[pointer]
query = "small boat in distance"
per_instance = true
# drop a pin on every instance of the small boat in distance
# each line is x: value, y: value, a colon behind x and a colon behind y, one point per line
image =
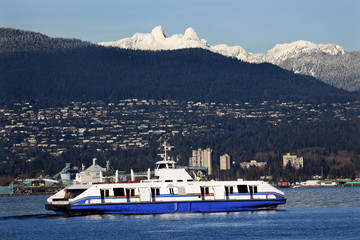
x: 172, y: 190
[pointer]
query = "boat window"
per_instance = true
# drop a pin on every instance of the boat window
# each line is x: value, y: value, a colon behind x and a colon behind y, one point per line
x: 104, y: 193
x: 155, y: 191
x: 72, y: 193
x: 171, y: 190
x: 119, y: 192
x: 242, y: 189
x: 168, y: 180
x: 253, y: 189
x: 229, y: 189
x: 130, y: 192
x: 204, y: 190
x: 162, y: 165
x: 180, y: 180
x: 190, y: 180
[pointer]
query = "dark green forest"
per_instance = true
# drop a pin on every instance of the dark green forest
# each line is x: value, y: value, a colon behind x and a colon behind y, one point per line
x: 92, y: 73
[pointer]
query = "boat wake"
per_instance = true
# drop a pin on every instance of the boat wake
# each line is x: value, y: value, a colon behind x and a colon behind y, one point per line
x: 31, y: 216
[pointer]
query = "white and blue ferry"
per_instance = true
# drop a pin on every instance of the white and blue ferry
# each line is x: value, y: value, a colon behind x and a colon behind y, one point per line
x: 172, y: 190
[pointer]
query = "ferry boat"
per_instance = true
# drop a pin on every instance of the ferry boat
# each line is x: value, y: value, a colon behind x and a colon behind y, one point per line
x: 172, y: 190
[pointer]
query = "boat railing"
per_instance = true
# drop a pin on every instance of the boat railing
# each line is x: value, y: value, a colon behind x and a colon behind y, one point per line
x: 150, y: 181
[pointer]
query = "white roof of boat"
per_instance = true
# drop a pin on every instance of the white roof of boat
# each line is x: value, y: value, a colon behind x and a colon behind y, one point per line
x: 165, y: 161
x: 79, y: 186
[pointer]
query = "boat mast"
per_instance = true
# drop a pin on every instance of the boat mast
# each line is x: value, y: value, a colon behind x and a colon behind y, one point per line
x: 167, y: 147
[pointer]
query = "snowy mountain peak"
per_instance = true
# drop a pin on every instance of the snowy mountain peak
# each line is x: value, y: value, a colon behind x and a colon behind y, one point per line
x: 301, y: 56
x: 285, y: 51
x: 326, y: 62
x: 158, y: 40
x: 159, y: 33
x: 191, y: 34
x: 307, y: 46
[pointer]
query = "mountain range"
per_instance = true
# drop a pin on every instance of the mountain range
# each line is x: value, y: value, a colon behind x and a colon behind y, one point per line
x: 326, y: 62
x: 53, y: 71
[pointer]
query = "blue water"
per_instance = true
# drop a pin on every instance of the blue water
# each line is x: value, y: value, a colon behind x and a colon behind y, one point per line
x: 312, y: 213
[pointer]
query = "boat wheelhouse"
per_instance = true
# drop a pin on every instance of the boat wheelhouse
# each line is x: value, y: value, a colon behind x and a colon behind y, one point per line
x: 172, y: 190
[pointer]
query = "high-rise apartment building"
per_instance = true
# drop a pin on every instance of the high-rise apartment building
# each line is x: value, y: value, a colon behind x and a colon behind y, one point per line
x: 201, y: 158
x: 225, y: 162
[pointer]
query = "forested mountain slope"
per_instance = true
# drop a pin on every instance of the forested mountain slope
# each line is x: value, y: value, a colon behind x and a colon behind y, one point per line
x: 59, y: 70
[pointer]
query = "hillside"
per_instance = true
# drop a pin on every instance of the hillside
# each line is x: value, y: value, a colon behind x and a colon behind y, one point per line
x: 85, y: 72
x: 326, y: 62
x: 342, y: 71
x: 15, y: 40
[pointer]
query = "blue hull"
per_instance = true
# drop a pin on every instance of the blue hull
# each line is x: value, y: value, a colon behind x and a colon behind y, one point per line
x: 169, y: 207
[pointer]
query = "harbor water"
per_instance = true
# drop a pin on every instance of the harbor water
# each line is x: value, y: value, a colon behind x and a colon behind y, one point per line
x: 310, y: 213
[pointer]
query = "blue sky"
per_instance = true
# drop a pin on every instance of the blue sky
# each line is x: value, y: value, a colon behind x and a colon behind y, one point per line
x: 256, y: 25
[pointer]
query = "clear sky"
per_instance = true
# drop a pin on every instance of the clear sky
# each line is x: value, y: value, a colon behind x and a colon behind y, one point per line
x: 256, y: 25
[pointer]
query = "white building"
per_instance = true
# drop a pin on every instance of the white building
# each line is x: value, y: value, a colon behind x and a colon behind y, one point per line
x: 295, y: 161
x: 252, y: 163
x: 225, y: 162
x: 201, y: 158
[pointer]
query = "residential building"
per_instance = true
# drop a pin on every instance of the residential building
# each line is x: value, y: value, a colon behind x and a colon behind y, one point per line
x: 225, y: 162
x: 252, y: 163
x: 201, y: 158
x: 295, y: 161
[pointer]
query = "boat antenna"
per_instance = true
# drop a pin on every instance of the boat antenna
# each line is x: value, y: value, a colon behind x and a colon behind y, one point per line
x: 167, y: 148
